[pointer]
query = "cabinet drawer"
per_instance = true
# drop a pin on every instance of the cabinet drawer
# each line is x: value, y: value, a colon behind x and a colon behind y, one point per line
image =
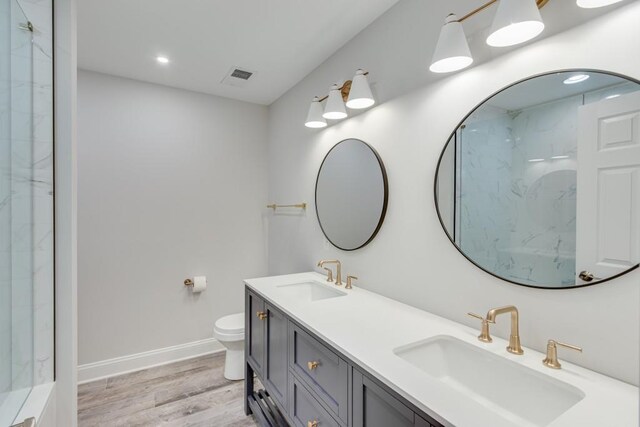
x: 320, y: 369
x: 304, y: 409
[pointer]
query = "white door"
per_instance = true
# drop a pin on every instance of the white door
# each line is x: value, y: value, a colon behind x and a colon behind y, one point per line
x: 608, y: 187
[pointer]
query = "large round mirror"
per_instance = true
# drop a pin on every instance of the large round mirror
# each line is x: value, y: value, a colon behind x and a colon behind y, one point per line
x: 540, y: 184
x: 351, y: 194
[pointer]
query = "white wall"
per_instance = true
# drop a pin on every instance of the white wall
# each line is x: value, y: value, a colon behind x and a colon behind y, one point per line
x: 411, y: 259
x: 171, y: 184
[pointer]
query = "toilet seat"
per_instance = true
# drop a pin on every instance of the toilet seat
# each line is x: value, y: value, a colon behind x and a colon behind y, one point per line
x: 230, y: 328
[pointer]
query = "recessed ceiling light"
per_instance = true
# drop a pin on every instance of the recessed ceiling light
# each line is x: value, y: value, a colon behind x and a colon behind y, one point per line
x: 162, y: 59
x: 615, y: 95
x: 577, y: 78
x: 536, y: 160
x: 559, y: 157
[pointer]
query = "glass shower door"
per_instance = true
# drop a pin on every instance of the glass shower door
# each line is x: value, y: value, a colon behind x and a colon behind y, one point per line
x: 16, y: 210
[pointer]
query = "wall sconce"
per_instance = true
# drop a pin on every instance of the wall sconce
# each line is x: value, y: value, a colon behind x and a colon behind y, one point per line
x: 356, y: 93
x: 515, y: 22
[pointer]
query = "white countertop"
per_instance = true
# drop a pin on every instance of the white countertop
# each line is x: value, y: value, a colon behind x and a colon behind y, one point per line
x: 366, y: 327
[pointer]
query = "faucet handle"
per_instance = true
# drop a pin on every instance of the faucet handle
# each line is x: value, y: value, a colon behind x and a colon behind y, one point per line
x: 329, y: 274
x: 572, y: 347
x: 349, y: 279
x: 551, y: 360
x: 484, y: 332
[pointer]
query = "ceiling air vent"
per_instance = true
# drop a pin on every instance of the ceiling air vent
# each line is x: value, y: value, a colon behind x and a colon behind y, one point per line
x: 237, y: 77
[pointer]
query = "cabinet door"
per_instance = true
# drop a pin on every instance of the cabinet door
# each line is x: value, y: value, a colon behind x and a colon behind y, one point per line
x: 256, y: 328
x: 276, y: 368
x: 421, y: 422
x: 374, y: 407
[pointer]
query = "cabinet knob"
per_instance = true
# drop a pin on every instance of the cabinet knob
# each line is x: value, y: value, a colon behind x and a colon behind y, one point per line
x: 313, y: 423
x: 313, y: 365
x: 261, y: 315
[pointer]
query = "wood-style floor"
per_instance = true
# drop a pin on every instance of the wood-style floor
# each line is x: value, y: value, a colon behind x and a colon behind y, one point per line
x: 193, y: 392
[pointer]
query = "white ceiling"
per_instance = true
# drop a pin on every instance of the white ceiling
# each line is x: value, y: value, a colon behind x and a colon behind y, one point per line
x: 281, y: 41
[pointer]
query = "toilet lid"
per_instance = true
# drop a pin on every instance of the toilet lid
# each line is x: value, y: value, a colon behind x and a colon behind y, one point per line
x: 231, y: 324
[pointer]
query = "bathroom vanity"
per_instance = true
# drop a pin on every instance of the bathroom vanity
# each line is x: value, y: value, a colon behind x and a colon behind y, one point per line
x: 327, y: 356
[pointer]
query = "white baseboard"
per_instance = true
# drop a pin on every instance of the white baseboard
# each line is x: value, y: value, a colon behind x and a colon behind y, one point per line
x: 135, y: 362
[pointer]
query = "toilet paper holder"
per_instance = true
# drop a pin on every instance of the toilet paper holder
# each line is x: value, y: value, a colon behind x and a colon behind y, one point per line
x: 196, y: 284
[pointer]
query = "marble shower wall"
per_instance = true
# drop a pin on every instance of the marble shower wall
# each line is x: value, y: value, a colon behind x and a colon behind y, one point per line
x: 40, y: 13
x: 517, y: 216
x: 5, y: 192
x: 484, y: 156
x: 516, y: 210
x: 26, y: 195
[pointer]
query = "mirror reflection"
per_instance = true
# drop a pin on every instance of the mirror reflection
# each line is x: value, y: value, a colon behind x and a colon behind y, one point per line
x: 540, y: 184
x: 351, y: 194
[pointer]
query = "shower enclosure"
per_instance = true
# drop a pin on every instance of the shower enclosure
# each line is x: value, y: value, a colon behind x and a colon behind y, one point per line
x: 26, y: 203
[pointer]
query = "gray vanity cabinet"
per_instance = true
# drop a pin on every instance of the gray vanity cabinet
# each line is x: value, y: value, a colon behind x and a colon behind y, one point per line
x: 310, y: 383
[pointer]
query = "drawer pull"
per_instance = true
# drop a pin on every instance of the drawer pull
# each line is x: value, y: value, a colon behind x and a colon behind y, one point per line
x: 261, y: 315
x: 313, y: 365
x: 313, y: 423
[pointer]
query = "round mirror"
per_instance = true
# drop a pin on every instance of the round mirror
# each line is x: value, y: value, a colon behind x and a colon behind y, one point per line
x: 540, y: 184
x: 351, y: 194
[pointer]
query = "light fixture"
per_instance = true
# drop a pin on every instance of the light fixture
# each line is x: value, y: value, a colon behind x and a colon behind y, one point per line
x: 591, y: 4
x: 559, y: 157
x: 356, y: 93
x: 314, y: 118
x: 576, y: 78
x: 162, y: 59
x: 452, y: 51
x: 615, y: 95
x: 360, y: 93
x: 536, y: 160
x: 334, y: 109
x: 516, y: 21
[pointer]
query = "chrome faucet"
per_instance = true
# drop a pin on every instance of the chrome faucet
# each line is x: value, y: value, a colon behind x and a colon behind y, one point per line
x: 514, y: 338
x: 338, y: 268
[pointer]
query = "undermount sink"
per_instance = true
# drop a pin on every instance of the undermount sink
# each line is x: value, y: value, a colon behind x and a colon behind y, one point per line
x: 309, y: 291
x: 515, y: 392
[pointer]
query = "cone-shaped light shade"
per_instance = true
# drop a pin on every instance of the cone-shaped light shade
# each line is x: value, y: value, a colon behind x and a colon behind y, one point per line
x: 360, y: 95
x: 335, y: 105
x: 516, y: 21
x: 452, y: 51
x: 590, y: 4
x: 314, y: 118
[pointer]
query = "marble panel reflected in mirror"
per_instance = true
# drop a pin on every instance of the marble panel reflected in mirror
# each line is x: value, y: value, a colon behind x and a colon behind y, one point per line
x: 540, y: 184
x: 351, y: 194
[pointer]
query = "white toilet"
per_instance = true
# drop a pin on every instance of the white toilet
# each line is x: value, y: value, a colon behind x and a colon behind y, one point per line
x: 229, y: 330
